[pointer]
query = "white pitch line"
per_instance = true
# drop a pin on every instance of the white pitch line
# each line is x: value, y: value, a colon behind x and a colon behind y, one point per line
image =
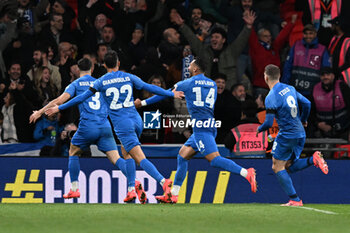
x: 317, y: 210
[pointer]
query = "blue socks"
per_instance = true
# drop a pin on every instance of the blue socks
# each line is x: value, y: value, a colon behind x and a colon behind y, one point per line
x: 121, y: 165
x: 74, y: 168
x: 301, y: 164
x: 130, y: 172
x: 287, y: 185
x: 226, y: 164
x: 182, y: 165
x: 151, y: 170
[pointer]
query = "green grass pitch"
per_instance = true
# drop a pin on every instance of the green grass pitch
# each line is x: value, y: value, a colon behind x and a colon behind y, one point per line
x: 181, y: 218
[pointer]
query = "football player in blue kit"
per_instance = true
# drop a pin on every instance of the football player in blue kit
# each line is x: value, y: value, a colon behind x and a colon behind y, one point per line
x: 200, y: 94
x: 94, y: 128
x: 116, y: 88
x: 282, y: 103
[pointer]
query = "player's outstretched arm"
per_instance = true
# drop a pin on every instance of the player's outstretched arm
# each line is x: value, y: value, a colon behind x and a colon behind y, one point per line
x: 76, y: 100
x: 160, y: 91
x: 58, y: 101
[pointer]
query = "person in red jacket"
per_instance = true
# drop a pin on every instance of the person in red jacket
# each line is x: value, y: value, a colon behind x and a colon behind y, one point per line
x: 264, y: 51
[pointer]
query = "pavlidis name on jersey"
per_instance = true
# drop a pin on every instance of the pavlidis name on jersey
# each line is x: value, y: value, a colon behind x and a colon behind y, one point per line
x: 209, y: 123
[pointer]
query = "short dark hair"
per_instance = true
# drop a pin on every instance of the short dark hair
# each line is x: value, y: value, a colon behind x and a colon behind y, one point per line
x: 273, y: 72
x: 199, y: 63
x: 108, y: 26
x: 219, y: 76
x: 235, y: 86
x: 249, y: 108
x: 84, y: 64
x: 42, y: 48
x: 220, y: 31
x: 111, y: 59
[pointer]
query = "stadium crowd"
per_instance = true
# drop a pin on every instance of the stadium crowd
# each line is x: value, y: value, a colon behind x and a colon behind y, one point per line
x: 42, y: 40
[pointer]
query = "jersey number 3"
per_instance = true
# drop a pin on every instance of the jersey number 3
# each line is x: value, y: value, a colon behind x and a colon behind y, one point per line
x: 95, y: 104
x: 210, y: 99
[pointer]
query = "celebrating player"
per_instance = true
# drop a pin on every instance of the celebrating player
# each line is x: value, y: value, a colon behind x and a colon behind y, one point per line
x: 116, y: 87
x: 94, y: 128
x: 200, y: 93
x: 282, y: 103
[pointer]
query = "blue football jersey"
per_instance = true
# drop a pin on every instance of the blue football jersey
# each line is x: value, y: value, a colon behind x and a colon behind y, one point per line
x: 200, y: 93
x: 93, y: 111
x: 283, y: 101
x: 117, y: 90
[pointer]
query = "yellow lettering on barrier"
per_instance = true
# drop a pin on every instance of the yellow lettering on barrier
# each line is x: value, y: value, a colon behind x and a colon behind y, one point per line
x: 221, y: 187
x: 182, y: 193
x: 19, y: 186
x: 198, y: 187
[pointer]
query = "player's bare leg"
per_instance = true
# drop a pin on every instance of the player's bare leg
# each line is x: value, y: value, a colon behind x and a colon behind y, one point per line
x: 140, y: 158
x: 218, y: 161
x: 74, y: 170
x: 185, y: 154
x: 278, y: 167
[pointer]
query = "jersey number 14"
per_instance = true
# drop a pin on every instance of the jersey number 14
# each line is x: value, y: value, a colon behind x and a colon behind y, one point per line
x: 210, y: 99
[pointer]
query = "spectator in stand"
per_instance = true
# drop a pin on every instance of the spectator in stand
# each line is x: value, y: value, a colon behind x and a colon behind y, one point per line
x: 218, y: 57
x: 61, y: 7
x: 46, y: 130
x: 171, y: 55
x: 65, y: 60
x: 62, y: 144
x: 40, y: 57
x: 127, y: 14
x: 21, y: 48
x: 227, y: 109
x: 21, y: 81
x: 239, y: 92
x: 54, y: 33
x: 26, y: 9
x: 196, y: 16
x: 206, y: 25
x: 264, y: 51
x: 304, y: 62
x: 108, y: 37
x: 339, y: 50
x: 16, y: 111
x: 8, y: 25
x: 137, y: 46
x: 331, y: 102
x: 92, y: 31
x: 318, y: 13
x: 44, y: 87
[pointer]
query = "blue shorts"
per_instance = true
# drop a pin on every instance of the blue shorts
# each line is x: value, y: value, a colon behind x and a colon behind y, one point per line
x: 128, y: 131
x: 102, y: 137
x: 204, y: 142
x: 287, y: 148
